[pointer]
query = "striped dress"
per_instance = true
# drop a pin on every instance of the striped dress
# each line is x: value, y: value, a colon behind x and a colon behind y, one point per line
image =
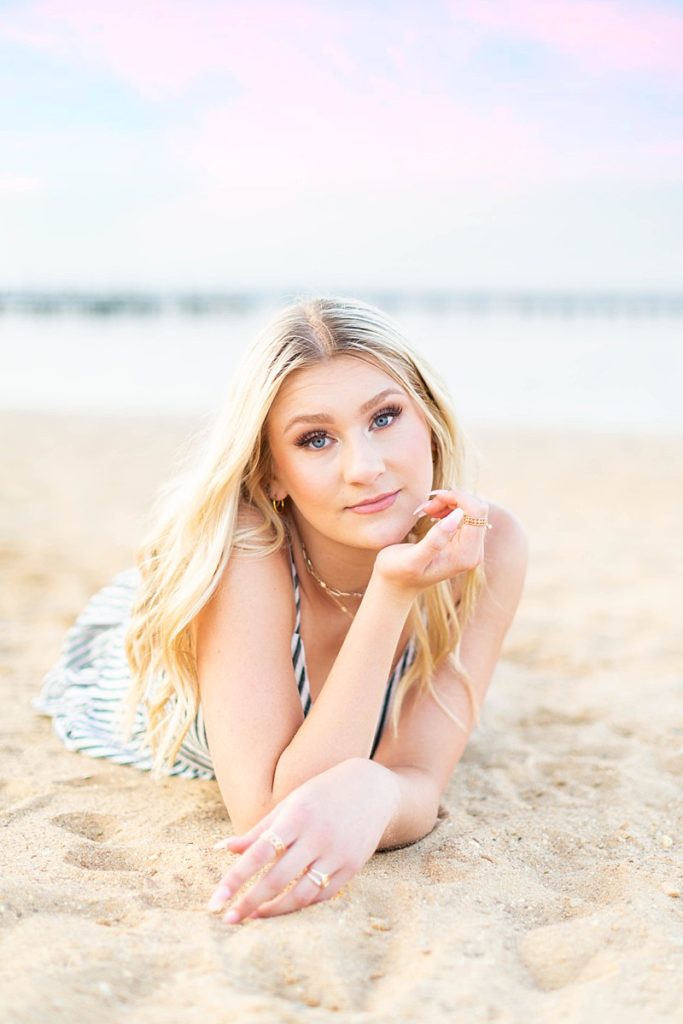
x: 83, y: 693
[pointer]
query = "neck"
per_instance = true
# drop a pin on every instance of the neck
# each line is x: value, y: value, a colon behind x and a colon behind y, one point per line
x: 339, y: 567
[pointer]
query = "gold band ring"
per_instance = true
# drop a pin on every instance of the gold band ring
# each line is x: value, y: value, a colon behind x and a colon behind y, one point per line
x: 318, y: 877
x: 274, y: 840
x: 477, y: 521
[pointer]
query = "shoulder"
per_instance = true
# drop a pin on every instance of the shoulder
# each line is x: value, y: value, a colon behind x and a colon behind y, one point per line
x: 505, y: 552
x: 507, y: 546
x: 504, y: 568
x: 253, y: 586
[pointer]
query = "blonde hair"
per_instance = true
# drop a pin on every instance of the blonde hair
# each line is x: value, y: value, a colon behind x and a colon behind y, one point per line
x: 196, y: 523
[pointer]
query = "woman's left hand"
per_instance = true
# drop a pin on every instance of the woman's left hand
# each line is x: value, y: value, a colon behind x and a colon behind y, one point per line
x: 330, y: 826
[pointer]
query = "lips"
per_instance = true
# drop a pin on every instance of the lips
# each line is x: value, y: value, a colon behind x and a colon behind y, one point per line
x: 376, y: 504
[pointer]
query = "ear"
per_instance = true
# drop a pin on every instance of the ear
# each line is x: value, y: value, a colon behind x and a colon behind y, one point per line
x: 274, y: 489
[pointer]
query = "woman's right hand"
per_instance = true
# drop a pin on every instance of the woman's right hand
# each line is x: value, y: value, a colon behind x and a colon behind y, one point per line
x: 330, y: 825
x: 449, y: 548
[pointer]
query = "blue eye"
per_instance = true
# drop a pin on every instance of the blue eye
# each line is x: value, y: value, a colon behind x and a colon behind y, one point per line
x: 385, y: 417
x: 315, y: 441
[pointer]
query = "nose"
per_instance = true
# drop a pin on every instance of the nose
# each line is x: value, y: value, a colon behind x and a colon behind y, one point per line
x: 363, y: 460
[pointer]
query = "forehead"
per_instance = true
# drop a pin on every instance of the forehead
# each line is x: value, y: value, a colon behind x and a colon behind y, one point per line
x: 313, y: 388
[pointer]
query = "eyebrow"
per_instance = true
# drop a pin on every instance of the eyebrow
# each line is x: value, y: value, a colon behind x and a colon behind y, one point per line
x: 324, y: 417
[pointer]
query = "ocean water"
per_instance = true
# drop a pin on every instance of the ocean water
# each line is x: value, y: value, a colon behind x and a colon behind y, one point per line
x: 619, y: 373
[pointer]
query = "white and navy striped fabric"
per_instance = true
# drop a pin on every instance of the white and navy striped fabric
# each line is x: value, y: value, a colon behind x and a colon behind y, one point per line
x: 83, y: 693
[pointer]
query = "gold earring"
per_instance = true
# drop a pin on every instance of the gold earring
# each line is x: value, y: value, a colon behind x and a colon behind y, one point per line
x: 278, y: 506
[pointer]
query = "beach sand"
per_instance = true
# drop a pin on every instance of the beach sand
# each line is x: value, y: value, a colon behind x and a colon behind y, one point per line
x: 551, y: 888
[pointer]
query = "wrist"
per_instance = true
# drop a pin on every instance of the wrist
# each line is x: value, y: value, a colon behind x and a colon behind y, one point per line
x: 389, y: 785
x: 390, y: 592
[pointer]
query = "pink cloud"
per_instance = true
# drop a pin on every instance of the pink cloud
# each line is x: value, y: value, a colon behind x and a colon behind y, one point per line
x: 387, y: 138
x: 164, y: 46
x: 322, y: 95
x: 601, y: 35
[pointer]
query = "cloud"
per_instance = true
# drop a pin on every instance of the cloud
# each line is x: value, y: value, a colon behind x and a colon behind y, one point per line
x: 602, y: 36
x: 165, y: 47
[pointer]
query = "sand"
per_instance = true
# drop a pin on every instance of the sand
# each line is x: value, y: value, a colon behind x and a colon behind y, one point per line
x: 552, y: 887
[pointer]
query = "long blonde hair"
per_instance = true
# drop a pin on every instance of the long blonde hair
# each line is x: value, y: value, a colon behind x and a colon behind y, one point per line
x: 195, y: 520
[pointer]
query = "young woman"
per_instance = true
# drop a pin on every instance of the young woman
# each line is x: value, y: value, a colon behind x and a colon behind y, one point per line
x: 315, y: 616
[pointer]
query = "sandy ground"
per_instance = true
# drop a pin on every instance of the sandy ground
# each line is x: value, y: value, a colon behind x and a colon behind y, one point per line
x: 551, y: 890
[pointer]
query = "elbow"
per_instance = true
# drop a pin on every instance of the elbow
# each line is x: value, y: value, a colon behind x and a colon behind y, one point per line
x: 243, y: 823
x: 244, y: 818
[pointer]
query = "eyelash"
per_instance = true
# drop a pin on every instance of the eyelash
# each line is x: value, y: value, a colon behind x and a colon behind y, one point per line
x: 305, y: 439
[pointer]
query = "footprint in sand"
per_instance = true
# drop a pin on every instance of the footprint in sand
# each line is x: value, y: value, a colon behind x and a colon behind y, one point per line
x: 672, y: 763
x: 104, y: 780
x: 574, y: 774
x: 15, y: 791
x: 449, y: 862
x: 97, y: 858
x: 19, y: 797
x: 581, y: 949
x: 96, y: 827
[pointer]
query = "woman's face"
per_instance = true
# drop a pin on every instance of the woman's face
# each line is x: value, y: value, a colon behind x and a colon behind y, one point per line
x: 352, y: 450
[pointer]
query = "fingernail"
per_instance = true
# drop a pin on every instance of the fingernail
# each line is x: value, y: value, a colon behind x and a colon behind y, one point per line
x: 440, y: 490
x: 453, y: 519
x: 219, y: 899
x: 222, y: 843
x: 232, y: 917
x: 419, y: 510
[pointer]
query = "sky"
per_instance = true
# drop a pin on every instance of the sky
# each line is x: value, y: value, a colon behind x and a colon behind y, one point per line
x: 445, y: 144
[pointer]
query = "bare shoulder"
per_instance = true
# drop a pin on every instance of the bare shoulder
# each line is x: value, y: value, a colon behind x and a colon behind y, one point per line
x: 253, y: 585
x: 507, y: 546
x: 506, y: 551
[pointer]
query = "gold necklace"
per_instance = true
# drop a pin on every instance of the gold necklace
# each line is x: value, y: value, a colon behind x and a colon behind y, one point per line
x: 331, y: 591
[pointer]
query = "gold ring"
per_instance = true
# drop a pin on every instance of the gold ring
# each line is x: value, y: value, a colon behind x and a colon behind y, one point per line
x: 274, y: 840
x: 477, y: 521
x: 318, y: 877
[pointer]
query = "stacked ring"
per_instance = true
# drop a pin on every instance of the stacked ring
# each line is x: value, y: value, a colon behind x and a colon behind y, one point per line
x: 318, y: 877
x: 274, y: 840
x: 477, y: 521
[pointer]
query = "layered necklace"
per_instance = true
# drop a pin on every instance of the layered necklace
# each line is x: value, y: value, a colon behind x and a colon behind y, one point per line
x: 331, y: 591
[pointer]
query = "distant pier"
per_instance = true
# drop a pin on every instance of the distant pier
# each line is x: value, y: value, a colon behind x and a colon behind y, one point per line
x: 114, y: 303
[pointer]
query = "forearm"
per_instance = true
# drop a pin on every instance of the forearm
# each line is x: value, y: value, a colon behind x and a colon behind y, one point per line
x: 416, y: 807
x: 343, y: 720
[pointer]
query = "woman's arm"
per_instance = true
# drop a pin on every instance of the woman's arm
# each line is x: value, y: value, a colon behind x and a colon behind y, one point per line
x: 337, y: 819
x: 429, y: 744
x: 261, y: 745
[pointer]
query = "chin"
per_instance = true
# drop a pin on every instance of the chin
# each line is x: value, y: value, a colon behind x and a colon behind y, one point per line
x: 380, y: 535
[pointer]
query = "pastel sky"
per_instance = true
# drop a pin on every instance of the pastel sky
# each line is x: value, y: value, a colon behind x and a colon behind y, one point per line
x: 452, y: 143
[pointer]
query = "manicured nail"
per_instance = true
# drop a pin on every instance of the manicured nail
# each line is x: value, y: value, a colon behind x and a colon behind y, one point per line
x: 222, y: 843
x: 419, y: 511
x: 218, y: 900
x: 440, y: 490
x: 453, y: 519
x: 232, y: 917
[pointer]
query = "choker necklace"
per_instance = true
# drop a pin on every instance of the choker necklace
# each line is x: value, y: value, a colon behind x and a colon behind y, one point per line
x: 332, y: 591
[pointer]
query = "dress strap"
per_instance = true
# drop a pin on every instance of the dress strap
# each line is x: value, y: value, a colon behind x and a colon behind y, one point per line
x: 404, y: 663
x: 296, y: 586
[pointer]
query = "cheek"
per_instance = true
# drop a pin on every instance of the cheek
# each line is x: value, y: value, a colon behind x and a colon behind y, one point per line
x: 307, y: 479
x: 415, y: 446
